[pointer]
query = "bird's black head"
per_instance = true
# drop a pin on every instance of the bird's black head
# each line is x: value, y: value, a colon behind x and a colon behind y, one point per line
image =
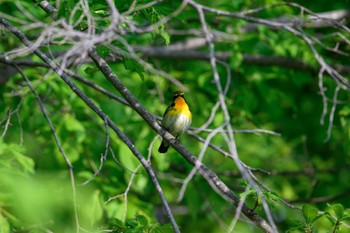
x: 178, y: 94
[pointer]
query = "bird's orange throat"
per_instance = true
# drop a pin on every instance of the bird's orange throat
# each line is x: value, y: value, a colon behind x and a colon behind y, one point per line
x: 180, y: 102
x: 182, y: 107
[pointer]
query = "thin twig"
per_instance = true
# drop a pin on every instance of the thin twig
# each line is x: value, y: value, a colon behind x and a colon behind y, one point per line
x: 119, y: 163
x: 195, y: 169
x: 323, y: 95
x: 59, y: 145
x: 331, y: 114
x: 218, y: 185
x: 99, y: 112
x: 325, y: 199
x: 229, y: 136
x: 249, y: 131
x: 280, y: 25
x: 103, y: 157
x: 8, y: 120
x: 238, y: 211
x: 8, y: 117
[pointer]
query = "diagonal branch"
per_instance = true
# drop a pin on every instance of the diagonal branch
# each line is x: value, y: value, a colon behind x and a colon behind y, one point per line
x: 229, y: 137
x: 99, y: 112
x: 253, y: 59
x: 336, y: 76
x: 59, y: 145
x: 217, y: 184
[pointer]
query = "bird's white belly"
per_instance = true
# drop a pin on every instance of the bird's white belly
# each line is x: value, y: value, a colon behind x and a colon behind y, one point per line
x: 177, y: 124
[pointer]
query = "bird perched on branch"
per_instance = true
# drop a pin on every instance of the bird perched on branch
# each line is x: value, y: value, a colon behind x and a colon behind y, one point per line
x: 176, y: 119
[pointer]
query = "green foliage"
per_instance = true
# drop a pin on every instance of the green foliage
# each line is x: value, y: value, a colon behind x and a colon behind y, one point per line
x: 138, y: 224
x: 337, y: 216
x: 311, y: 216
x: 13, y: 159
x: 133, y: 65
x: 316, y: 220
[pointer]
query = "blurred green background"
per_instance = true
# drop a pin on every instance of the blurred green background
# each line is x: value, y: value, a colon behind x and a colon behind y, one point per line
x: 36, y: 192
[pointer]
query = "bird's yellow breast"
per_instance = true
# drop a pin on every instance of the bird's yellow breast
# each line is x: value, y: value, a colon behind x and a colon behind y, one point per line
x: 180, y: 107
x: 178, y: 117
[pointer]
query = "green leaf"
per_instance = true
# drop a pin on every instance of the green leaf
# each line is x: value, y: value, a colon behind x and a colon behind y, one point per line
x: 166, y: 228
x: 345, y: 111
x: 95, y: 207
x: 163, y: 162
x: 316, y: 218
x: 63, y: 10
x: 12, y: 158
x: 165, y: 36
x: 250, y: 192
x: 71, y: 4
x: 132, y: 223
x: 345, y: 217
x: 126, y: 157
x: 140, y: 183
x: 101, y: 12
x: 73, y: 125
x: 132, y: 64
x: 338, y: 210
x: 77, y: 15
x: 103, y: 51
x: 142, y: 220
x: 309, y: 213
x: 236, y: 59
x: 330, y: 218
x: 90, y: 70
x: 93, y: 211
x: 272, y: 196
x: 114, y: 222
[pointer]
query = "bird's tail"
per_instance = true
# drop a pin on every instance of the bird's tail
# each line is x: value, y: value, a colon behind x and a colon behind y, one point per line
x: 163, y: 147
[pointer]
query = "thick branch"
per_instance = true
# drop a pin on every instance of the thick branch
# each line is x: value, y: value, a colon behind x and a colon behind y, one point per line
x: 179, y: 53
x: 260, y: 60
x: 8, y: 71
x: 325, y: 199
x: 295, y: 31
x: 208, y: 174
x: 58, y: 143
x: 100, y: 113
x: 319, y: 20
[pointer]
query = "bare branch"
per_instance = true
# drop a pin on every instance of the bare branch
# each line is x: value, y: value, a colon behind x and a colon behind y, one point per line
x: 252, y: 131
x: 260, y: 60
x: 276, y: 25
x: 331, y: 114
x: 99, y: 112
x: 229, y: 136
x: 82, y: 45
x: 195, y: 169
x: 325, y: 199
x: 59, y: 145
x: 47, y: 7
x: 209, y: 175
x: 315, y: 20
x: 103, y: 157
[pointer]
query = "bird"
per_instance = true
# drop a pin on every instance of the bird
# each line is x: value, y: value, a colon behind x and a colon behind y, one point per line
x: 176, y: 119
